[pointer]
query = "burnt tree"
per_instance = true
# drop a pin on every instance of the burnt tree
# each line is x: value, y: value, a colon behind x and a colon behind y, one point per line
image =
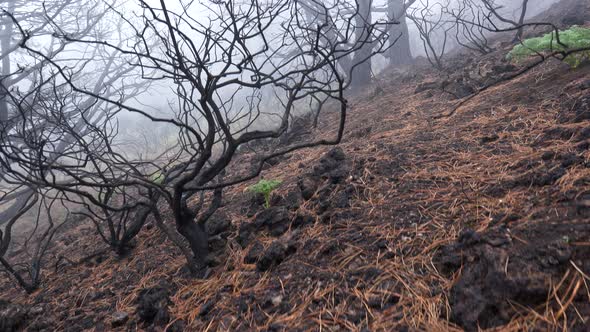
x: 218, y: 67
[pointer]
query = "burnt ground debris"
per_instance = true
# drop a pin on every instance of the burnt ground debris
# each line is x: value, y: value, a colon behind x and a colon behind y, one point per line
x: 414, y: 222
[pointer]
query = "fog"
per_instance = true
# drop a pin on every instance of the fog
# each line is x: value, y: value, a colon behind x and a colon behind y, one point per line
x: 159, y: 97
x: 96, y: 43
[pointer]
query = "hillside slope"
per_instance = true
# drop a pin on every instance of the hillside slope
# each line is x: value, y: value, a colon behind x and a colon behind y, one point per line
x: 422, y: 219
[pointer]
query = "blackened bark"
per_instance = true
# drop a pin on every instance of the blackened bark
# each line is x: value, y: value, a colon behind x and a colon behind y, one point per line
x: 197, y: 238
x: 361, y: 74
x: 176, y: 240
x: 135, y: 226
x: 518, y: 36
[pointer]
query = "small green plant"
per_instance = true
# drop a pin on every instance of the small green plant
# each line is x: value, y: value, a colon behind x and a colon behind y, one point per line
x: 265, y: 187
x: 573, y: 38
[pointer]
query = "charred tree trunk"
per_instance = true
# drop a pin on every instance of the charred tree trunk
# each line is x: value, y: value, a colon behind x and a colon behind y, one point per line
x: 399, y: 53
x: 175, y: 239
x: 131, y: 231
x: 196, y: 236
x: 361, y: 73
x: 194, y: 231
x: 520, y: 31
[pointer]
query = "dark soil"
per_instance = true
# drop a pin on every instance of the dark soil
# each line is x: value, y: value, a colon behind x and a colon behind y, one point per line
x: 417, y: 221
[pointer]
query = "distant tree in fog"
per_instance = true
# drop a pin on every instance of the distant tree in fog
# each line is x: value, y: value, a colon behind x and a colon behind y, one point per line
x: 42, y: 119
x: 399, y: 37
x: 430, y: 18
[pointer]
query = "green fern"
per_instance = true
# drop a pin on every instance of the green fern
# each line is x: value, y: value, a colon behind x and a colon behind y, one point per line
x: 574, y: 38
x: 265, y: 187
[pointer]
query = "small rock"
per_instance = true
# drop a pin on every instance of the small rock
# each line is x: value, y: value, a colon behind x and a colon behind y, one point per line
x: 361, y: 132
x: 245, y: 233
x: 573, y: 19
x: 338, y: 175
x: 292, y: 200
x: 214, y: 259
x: 276, y: 300
x: 273, y: 256
x: 119, y: 318
x: 458, y: 89
x: 584, y: 133
x: 177, y: 326
x: 342, y: 200
x: 331, y: 161
x: 582, y: 110
x: 217, y: 243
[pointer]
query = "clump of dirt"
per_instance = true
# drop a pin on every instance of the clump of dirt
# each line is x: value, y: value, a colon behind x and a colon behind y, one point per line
x: 152, y: 305
x: 274, y: 255
x: 275, y: 220
x: 500, y: 274
x: 218, y: 223
x: 317, y: 186
x: 323, y: 185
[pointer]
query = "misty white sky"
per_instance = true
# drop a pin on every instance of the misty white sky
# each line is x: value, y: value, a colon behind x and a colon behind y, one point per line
x: 160, y: 95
